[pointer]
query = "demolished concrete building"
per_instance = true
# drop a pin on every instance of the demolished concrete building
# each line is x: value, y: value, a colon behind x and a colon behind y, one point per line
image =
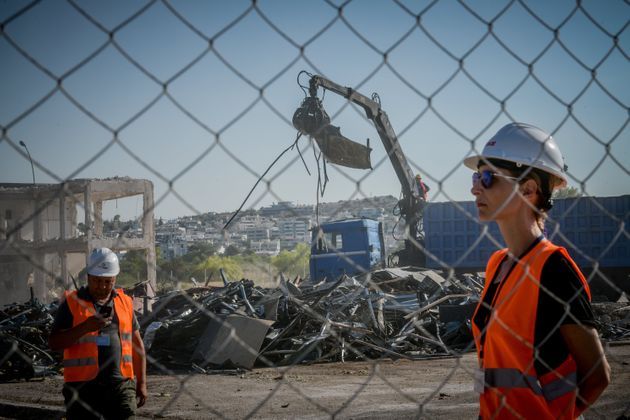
x: 48, y: 230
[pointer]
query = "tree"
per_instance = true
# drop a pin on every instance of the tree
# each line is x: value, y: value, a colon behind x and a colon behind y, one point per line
x: 232, y: 250
x: 133, y: 267
x: 213, y: 264
x: 293, y: 263
x: 116, y: 225
x: 199, y: 251
x: 170, y: 272
x: 567, y: 192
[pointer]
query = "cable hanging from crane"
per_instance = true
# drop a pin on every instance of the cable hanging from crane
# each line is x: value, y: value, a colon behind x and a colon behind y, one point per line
x: 294, y: 144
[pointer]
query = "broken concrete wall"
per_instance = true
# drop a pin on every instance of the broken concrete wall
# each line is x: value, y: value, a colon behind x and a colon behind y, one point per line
x: 41, y: 244
x: 12, y: 214
x: 15, y: 277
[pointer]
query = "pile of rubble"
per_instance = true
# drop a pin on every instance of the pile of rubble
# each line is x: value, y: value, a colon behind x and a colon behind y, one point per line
x: 399, y: 313
x: 613, y: 320
x: 24, y: 330
x: 396, y: 313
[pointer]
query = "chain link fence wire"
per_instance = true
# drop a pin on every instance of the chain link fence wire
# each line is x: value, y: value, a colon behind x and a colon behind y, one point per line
x: 198, y: 98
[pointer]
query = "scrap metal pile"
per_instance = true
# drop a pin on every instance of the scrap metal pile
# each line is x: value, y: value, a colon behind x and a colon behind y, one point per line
x: 24, y: 330
x: 613, y: 320
x: 399, y: 313
x: 396, y: 313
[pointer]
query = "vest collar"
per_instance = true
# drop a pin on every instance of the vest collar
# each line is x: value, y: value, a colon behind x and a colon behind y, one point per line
x: 532, y: 246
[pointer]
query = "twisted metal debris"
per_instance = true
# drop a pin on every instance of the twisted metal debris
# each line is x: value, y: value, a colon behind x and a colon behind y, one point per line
x: 394, y: 313
x: 24, y: 330
x: 613, y: 320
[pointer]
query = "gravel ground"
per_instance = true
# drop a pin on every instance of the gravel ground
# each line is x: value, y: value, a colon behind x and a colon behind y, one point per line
x: 436, y: 389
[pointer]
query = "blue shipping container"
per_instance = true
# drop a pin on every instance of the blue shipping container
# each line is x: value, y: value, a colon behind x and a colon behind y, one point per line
x: 593, y: 229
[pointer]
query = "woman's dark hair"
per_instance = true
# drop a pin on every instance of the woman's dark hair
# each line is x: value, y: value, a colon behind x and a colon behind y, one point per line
x: 523, y: 172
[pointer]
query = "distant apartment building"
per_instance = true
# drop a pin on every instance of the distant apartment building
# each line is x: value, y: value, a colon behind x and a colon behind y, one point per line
x: 192, y: 225
x: 265, y: 247
x: 258, y: 234
x: 198, y: 236
x: 287, y: 208
x: 248, y: 222
x: 293, y: 231
x: 170, y: 240
x: 173, y: 248
x: 214, y: 236
x: 169, y: 232
x: 339, y: 215
x: 370, y: 213
x: 274, y: 233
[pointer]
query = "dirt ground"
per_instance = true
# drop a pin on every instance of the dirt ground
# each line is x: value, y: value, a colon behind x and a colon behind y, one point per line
x: 436, y: 389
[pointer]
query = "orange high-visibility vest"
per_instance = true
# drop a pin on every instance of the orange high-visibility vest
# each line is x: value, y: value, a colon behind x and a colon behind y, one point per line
x: 80, y: 361
x: 507, y: 380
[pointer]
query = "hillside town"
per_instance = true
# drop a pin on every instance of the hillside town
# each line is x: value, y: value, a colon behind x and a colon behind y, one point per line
x: 266, y: 231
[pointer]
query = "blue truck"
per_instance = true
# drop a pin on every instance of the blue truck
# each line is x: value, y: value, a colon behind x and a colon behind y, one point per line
x: 350, y: 246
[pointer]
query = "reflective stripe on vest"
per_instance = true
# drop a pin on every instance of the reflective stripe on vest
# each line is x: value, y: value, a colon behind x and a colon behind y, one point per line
x: 513, y: 378
x: 509, y: 383
x: 88, y: 361
x: 94, y: 338
x: 88, y: 339
x: 510, y: 378
x: 560, y: 387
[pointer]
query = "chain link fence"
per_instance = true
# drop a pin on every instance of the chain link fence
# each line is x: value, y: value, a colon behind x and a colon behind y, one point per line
x: 198, y: 98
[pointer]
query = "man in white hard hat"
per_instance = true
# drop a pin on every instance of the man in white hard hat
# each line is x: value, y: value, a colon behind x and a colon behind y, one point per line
x: 103, y: 352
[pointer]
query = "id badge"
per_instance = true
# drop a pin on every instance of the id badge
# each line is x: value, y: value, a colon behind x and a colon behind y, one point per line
x: 102, y: 340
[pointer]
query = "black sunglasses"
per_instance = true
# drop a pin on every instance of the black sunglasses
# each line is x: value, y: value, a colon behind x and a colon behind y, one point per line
x: 487, y: 177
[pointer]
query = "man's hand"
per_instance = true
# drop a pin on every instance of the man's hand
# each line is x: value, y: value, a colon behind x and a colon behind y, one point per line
x: 139, y: 368
x: 141, y: 393
x: 63, y: 339
x: 96, y: 322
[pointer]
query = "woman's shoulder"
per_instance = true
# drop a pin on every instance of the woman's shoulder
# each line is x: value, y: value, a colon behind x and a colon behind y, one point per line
x: 560, y: 271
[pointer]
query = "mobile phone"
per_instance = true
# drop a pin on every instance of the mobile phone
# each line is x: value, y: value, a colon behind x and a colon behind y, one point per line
x: 105, y: 311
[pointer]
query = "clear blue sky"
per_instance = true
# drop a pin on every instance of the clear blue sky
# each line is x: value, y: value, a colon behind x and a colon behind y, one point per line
x: 163, y: 142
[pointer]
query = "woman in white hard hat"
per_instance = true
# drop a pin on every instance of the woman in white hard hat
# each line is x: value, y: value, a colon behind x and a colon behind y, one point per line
x: 538, y: 349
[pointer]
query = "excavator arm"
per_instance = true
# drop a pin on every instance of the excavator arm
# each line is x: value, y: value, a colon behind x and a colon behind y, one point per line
x: 311, y: 118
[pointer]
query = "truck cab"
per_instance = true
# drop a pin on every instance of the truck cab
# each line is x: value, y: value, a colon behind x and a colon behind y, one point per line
x: 351, y: 246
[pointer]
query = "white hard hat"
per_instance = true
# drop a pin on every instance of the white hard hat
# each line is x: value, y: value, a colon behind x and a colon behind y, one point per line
x: 103, y: 263
x: 524, y: 144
